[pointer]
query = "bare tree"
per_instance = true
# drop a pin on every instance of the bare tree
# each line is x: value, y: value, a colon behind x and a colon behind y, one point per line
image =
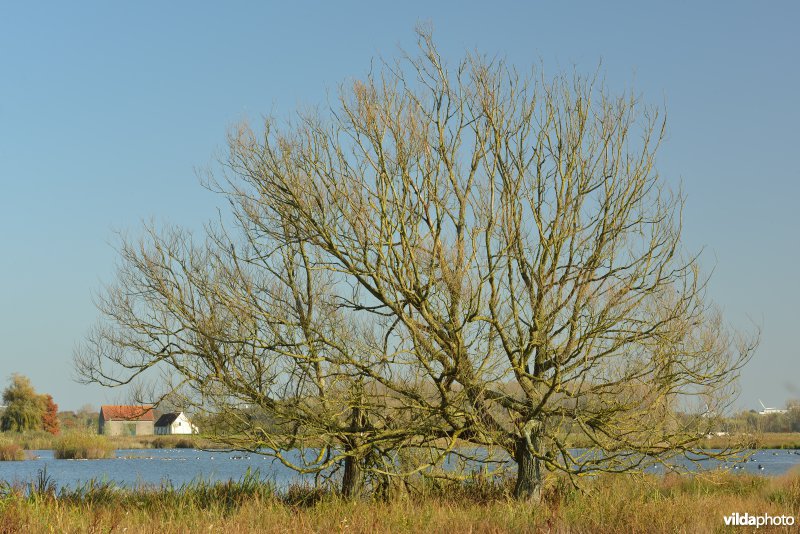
x: 494, y: 259
x: 251, y: 338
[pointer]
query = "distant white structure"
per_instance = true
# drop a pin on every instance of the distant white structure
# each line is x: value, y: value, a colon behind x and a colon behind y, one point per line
x: 769, y: 411
x: 174, y: 423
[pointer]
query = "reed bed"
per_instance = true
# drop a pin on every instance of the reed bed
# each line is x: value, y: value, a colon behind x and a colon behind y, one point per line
x: 83, y: 446
x: 41, y: 440
x: 612, y: 504
x: 163, y: 442
x: 10, y: 451
x: 30, y: 440
x: 176, y: 442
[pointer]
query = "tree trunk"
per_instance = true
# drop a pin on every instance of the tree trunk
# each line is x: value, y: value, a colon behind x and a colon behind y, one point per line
x: 529, y: 471
x: 353, y: 479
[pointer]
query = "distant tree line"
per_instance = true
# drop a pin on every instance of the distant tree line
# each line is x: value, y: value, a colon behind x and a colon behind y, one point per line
x: 83, y: 419
x: 752, y: 421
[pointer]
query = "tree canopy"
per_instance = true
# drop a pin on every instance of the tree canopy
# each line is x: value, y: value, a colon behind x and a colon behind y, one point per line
x: 447, y: 258
x: 24, y: 407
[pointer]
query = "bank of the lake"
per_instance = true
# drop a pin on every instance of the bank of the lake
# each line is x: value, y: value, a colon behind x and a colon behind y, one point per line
x: 766, y: 440
x: 40, y: 440
x: 608, y: 504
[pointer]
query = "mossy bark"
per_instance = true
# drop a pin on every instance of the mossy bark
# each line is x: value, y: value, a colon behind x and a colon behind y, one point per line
x: 353, y: 479
x: 529, y: 469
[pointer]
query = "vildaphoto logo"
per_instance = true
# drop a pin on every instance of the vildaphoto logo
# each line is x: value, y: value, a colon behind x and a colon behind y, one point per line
x: 746, y: 520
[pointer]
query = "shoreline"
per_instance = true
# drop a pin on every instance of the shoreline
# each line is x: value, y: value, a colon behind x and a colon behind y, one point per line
x: 41, y: 441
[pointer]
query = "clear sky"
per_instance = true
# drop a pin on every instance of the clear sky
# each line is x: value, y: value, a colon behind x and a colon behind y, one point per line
x: 106, y: 111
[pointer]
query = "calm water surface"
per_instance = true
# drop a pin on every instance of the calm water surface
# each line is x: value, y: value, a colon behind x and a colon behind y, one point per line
x: 133, y: 467
x: 180, y: 466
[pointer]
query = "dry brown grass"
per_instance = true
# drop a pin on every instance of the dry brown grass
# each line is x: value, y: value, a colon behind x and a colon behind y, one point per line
x: 10, y: 451
x: 30, y: 439
x: 610, y: 504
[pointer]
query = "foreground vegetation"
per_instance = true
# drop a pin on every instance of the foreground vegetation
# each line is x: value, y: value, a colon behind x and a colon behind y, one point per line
x: 623, y: 503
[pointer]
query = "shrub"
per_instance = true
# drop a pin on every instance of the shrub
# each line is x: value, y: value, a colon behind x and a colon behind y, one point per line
x: 81, y: 446
x: 173, y: 442
x: 185, y: 443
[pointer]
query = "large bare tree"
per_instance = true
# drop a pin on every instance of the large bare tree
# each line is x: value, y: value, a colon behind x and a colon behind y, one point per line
x: 467, y: 255
x: 250, y: 337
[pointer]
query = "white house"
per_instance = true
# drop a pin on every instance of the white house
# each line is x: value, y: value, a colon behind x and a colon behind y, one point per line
x: 174, y: 423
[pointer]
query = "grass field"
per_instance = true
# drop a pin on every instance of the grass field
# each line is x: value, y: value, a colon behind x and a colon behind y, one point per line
x: 613, y: 504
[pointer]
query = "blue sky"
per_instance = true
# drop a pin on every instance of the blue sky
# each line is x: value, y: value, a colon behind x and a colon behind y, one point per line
x: 106, y: 111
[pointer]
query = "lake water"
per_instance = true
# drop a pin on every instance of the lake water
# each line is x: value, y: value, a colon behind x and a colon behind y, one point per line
x: 150, y: 467
x: 181, y: 466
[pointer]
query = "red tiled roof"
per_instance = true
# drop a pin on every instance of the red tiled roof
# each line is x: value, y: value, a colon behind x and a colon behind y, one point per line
x: 127, y: 413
